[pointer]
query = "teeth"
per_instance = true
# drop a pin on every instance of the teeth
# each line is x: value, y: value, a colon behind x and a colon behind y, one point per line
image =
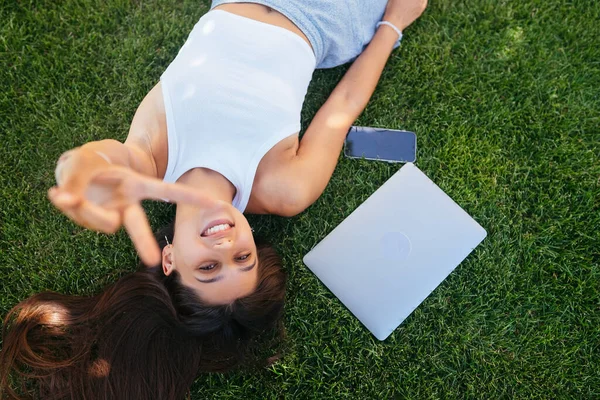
x: 217, y: 228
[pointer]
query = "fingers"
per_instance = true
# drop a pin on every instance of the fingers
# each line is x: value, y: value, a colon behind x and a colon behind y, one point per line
x: 62, y: 199
x: 138, y: 228
x: 85, y: 213
x: 72, y: 176
x: 154, y: 189
x: 99, y: 218
x: 137, y: 187
x: 134, y: 187
x: 114, y: 175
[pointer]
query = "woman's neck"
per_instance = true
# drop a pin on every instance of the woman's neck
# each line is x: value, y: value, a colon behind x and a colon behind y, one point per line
x: 210, y: 182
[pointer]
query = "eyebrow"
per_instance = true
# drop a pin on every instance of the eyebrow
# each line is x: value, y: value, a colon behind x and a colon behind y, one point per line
x: 220, y: 277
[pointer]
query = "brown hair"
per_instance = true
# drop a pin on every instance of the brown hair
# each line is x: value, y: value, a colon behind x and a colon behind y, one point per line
x: 146, y: 336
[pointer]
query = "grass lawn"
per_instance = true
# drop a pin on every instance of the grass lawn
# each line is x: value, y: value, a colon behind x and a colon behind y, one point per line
x: 505, y: 99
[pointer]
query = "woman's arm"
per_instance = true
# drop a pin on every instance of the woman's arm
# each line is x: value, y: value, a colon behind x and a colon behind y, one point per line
x: 144, y: 151
x: 116, y: 153
x: 100, y: 184
x: 305, y: 177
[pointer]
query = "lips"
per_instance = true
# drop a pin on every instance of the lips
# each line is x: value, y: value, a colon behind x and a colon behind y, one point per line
x: 217, y: 227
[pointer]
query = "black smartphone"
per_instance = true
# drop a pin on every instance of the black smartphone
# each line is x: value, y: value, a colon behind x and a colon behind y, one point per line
x: 381, y: 144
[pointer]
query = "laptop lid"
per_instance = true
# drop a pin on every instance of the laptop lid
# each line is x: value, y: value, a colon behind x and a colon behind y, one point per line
x: 385, y: 258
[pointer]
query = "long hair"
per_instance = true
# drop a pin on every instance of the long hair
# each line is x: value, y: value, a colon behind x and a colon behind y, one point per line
x: 146, y: 336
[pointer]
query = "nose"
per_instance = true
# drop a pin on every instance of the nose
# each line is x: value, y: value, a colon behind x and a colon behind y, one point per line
x: 224, y: 243
x: 219, y: 240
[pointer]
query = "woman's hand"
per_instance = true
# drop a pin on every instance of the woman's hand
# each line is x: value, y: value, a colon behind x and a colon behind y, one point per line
x: 102, y: 196
x: 402, y: 13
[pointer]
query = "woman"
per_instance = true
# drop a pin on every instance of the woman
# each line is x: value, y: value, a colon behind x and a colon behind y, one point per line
x: 219, y: 136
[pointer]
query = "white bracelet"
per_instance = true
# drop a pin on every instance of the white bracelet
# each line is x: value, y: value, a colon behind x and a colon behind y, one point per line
x: 398, y: 31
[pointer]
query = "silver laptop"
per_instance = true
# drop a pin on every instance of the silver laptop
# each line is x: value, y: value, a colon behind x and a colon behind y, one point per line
x: 394, y: 250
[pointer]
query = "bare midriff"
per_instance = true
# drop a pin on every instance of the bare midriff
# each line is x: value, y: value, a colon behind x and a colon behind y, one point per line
x: 262, y: 13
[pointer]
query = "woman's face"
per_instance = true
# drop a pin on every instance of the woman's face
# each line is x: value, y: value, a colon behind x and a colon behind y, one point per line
x: 213, y: 251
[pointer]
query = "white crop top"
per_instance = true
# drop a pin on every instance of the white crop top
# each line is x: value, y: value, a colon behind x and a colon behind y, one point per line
x: 233, y: 92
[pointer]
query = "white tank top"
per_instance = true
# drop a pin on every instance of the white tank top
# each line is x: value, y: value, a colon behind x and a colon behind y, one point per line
x: 233, y: 92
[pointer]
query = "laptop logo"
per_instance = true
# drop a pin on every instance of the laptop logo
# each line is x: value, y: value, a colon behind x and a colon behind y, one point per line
x: 396, y: 246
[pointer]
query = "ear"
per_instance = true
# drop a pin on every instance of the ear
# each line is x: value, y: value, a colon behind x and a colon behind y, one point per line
x: 167, y: 259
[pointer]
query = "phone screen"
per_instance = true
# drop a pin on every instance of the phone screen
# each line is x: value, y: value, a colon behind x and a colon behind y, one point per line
x: 381, y: 144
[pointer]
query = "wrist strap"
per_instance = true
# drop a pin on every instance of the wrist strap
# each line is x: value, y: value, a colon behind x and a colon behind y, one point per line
x: 398, y: 31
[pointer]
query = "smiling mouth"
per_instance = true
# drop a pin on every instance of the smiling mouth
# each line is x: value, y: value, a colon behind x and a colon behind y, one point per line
x: 217, y: 227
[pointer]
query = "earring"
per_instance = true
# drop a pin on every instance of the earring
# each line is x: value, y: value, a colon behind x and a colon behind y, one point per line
x: 252, y: 229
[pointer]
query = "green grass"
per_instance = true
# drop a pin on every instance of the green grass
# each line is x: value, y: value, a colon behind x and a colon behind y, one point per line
x: 505, y: 99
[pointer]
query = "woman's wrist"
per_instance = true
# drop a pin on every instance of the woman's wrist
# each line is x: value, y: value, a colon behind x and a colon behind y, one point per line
x: 392, y: 27
x: 396, y: 21
x: 386, y: 39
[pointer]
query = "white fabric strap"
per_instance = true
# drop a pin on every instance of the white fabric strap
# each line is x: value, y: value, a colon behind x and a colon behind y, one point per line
x: 398, y: 31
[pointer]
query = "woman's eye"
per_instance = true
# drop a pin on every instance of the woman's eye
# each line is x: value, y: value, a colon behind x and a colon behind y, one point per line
x: 243, y: 258
x: 208, y: 267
